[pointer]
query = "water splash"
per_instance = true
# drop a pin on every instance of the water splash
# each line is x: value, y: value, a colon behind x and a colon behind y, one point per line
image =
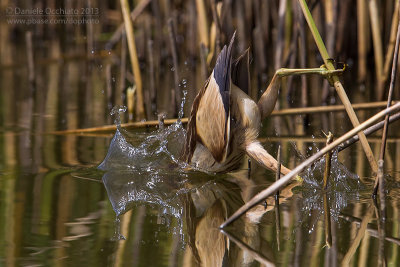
x: 344, y: 187
x: 180, y: 113
x: 145, y: 168
x: 117, y: 232
x: 116, y: 113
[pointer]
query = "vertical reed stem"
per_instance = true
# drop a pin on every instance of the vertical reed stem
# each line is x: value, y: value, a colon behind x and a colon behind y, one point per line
x: 327, y: 218
x: 203, y: 62
x: 29, y: 52
x: 337, y: 84
x: 172, y: 41
x: 134, y: 59
x: 202, y: 22
x: 277, y: 212
x: 389, y: 101
x: 122, y: 84
x: 362, y: 39
x: 392, y: 41
x: 381, y: 215
x: 217, y: 23
x: 377, y: 41
x: 328, y: 157
x: 152, y: 77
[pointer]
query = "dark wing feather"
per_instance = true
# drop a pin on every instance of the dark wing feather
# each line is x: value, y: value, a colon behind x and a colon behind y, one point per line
x: 240, y: 72
x: 222, y: 73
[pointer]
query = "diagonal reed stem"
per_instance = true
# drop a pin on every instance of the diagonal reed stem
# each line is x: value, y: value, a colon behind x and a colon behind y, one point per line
x: 285, y: 179
x: 337, y: 84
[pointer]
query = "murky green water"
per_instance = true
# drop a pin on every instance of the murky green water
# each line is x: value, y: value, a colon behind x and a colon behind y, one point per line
x: 58, y: 209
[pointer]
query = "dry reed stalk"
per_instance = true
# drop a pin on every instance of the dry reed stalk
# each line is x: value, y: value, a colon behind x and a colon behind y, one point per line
x: 389, y: 100
x: 134, y: 59
x: 362, y: 21
x: 203, y: 62
x: 278, y: 58
x: 338, y: 85
x: 152, y: 77
x: 369, y: 131
x: 302, y: 52
x: 108, y: 128
x: 177, y: 91
x: 377, y: 41
x: 29, y: 56
x: 130, y: 101
x: 241, y: 26
x: 280, y: 35
x: 122, y: 82
x: 212, y: 52
x: 293, y: 111
x: 285, y: 179
x: 334, y: 108
x: 371, y: 230
x: 330, y: 29
x: 327, y: 219
x: 202, y: 23
x: 89, y: 35
x: 217, y: 26
x: 109, y: 86
x: 360, y: 234
x: 134, y: 14
x: 328, y: 158
x: 392, y: 41
x: 277, y: 212
x: 382, y: 214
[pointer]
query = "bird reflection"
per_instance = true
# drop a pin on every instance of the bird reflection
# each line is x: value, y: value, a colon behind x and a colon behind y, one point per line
x: 201, y: 205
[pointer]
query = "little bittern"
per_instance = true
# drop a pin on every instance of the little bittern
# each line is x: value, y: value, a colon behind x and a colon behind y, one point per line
x: 224, y: 121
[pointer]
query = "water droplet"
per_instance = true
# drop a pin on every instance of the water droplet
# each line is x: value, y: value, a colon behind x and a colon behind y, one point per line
x: 92, y: 51
x: 117, y: 110
x: 113, y: 79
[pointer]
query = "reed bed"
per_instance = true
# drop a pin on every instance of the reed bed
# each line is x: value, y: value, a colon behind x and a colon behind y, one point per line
x: 172, y: 38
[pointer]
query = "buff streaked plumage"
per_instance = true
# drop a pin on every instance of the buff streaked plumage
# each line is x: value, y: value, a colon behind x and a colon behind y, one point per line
x: 224, y: 121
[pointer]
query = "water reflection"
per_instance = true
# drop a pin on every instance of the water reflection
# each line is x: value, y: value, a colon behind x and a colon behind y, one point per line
x: 192, y: 205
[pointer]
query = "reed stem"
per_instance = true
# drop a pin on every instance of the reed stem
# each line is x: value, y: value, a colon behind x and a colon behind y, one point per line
x: 377, y: 41
x: 328, y: 157
x: 337, y: 84
x: 134, y: 59
x: 389, y: 100
x: 327, y: 218
x: 362, y: 20
x: 285, y: 179
x: 172, y: 41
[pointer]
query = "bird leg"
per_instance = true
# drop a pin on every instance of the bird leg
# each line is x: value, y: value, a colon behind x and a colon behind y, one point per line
x: 267, y: 101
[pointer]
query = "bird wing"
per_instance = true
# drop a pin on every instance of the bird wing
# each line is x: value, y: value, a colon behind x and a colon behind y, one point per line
x: 241, y: 73
x: 213, y: 114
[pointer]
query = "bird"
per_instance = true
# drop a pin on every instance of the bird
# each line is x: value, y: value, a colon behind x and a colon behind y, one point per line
x: 224, y: 122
